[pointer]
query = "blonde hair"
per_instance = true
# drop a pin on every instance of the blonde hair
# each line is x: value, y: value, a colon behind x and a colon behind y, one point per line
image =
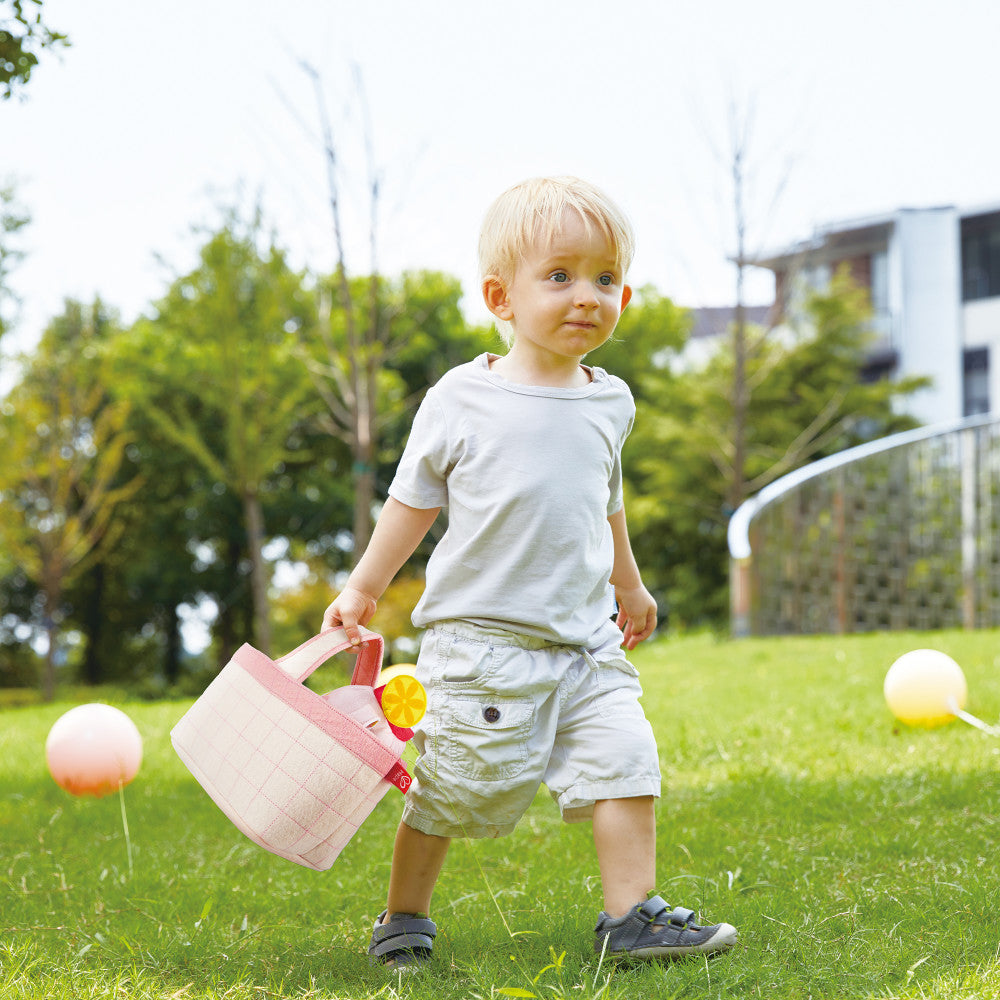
x: 534, y: 209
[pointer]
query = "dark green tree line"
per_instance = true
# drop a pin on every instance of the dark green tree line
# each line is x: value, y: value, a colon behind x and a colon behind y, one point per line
x: 60, y: 488
x: 222, y: 415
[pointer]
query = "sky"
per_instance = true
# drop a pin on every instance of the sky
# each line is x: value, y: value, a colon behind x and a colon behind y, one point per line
x: 128, y: 147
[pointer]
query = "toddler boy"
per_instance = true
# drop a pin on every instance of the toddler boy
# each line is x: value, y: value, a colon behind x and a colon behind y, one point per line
x: 526, y: 678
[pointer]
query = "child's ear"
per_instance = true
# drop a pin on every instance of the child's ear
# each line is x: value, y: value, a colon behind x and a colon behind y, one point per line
x: 626, y: 296
x: 496, y: 298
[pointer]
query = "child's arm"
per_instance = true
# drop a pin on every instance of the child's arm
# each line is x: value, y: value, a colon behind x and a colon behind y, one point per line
x: 397, y: 533
x: 636, y: 607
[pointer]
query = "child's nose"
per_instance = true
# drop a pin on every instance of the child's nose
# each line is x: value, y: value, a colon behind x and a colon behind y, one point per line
x: 585, y: 294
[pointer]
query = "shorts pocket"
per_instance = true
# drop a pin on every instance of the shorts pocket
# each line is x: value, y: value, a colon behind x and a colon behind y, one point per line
x: 618, y: 689
x: 459, y: 661
x: 487, y: 739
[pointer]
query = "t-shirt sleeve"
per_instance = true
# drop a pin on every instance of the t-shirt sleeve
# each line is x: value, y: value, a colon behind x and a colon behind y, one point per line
x: 616, y: 496
x: 421, y: 477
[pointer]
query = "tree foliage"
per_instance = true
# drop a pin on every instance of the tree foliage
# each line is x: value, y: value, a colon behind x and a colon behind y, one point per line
x: 422, y: 333
x: 211, y: 402
x: 65, y: 443
x: 186, y: 540
x: 651, y: 333
x: 23, y: 35
x: 235, y: 398
x: 806, y: 400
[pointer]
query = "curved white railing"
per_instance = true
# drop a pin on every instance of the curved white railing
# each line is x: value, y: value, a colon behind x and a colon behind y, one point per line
x: 742, y: 572
x: 739, y: 524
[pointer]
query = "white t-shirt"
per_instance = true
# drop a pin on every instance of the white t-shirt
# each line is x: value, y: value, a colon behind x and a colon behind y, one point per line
x: 529, y: 475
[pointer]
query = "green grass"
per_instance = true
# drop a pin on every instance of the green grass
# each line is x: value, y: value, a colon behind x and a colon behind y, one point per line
x: 857, y: 857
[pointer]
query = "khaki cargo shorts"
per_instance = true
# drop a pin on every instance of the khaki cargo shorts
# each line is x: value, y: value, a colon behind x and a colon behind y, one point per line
x: 508, y: 713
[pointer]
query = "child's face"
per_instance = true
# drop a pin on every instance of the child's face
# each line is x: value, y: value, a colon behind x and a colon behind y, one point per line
x: 566, y: 295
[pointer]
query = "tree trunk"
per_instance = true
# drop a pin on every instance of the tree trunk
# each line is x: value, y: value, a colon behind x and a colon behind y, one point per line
x: 52, y: 593
x: 225, y: 627
x: 93, y: 627
x: 172, y: 652
x: 740, y: 399
x: 364, y: 474
x: 365, y: 416
x: 254, y: 519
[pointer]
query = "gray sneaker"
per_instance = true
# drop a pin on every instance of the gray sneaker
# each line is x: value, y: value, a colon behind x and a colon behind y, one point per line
x: 653, y: 930
x: 404, y: 941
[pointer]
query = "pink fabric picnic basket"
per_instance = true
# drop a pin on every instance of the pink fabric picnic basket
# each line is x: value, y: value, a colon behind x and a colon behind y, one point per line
x: 296, y: 771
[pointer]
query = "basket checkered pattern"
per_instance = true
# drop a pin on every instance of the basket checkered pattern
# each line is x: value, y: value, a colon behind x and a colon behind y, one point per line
x: 293, y: 773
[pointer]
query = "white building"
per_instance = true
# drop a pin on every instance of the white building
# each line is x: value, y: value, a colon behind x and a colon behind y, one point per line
x: 934, y: 279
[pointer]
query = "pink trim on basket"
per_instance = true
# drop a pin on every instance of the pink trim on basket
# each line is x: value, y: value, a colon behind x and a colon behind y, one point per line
x: 329, y: 643
x: 359, y: 741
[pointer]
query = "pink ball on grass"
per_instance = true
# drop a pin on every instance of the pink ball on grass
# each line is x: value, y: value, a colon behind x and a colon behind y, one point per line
x: 93, y: 750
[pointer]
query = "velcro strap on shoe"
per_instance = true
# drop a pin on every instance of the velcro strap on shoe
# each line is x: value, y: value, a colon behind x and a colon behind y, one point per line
x: 651, y: 909
x: 406, y: 934
x: 680, y: 917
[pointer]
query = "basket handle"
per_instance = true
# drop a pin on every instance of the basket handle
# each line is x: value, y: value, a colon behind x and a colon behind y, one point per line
x: 314, y: 652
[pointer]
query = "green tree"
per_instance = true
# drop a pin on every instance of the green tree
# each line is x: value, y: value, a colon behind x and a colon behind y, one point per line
x: 59, y: 485
x: 652, y: 330
x: 806, y: 400
x: 23, y: 35
x: 235, y: 397
x: 418, y: 333
x: 127, y: 605
x: 364, y: 323
x: 19, y: 664
x: 184, y: 539
x: 424, y: 334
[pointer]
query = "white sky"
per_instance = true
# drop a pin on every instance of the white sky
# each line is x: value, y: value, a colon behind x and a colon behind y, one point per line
x: 162, y: 113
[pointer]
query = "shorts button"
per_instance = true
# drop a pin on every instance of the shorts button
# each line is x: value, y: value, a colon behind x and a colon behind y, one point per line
x: 491, y: 714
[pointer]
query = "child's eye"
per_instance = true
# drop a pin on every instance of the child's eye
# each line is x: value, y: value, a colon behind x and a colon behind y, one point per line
x: 559, y: 276
x: 606, y: 279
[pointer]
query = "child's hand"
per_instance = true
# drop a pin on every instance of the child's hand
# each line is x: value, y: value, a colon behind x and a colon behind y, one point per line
x: 350, y: 609
x: 636, y: 614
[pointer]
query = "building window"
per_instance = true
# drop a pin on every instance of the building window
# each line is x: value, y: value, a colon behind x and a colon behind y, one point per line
x: 880, y: 281
x: 976, y: 382
x: 981, y: 256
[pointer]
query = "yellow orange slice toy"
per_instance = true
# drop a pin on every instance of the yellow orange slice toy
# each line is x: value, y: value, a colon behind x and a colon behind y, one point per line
x: 404, y: 701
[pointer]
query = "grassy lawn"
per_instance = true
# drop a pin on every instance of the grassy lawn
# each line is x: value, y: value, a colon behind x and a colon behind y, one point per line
x: 857, y: 857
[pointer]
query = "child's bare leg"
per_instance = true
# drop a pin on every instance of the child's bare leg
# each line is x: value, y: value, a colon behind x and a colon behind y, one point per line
x: 625, y: 840
x: 417, y: 859
x: 625, y: 837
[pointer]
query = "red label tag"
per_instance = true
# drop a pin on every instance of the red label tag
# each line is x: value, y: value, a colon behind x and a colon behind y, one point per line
x: 399, y: 777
